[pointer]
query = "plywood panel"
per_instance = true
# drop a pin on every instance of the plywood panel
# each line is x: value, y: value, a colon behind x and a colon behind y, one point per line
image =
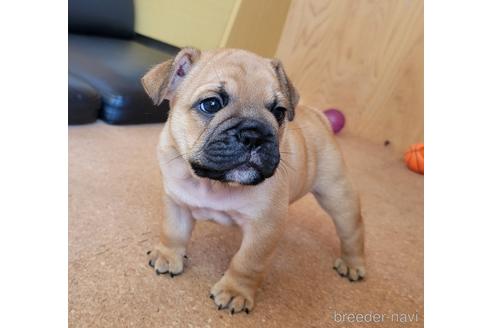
x: 364, y: 57
x: 255, y: 25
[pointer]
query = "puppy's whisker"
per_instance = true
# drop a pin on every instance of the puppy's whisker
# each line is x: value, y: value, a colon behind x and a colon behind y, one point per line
x: 172, y: 159
x: 282, y: 169
x: 199, y: 137
x: 179, y: 156
x: 282, y: 161
x: 217, y: 75
x: 297, y: 128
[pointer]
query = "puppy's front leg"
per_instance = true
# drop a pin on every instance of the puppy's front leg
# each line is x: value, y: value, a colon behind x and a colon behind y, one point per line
x: 237, y: 288
x: 176, y: 228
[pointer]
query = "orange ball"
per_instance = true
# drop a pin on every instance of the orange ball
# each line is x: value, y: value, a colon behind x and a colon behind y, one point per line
x: 414, y: 158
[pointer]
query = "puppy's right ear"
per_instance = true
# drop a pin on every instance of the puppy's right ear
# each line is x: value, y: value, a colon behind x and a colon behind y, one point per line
x: 161, y: 81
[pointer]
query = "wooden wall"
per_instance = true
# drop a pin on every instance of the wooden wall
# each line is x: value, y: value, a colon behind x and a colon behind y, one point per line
x: 255, y: 25
x: 364, y: 57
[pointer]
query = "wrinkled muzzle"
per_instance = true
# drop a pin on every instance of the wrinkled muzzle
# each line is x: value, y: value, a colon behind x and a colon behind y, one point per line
x: 241, y: 150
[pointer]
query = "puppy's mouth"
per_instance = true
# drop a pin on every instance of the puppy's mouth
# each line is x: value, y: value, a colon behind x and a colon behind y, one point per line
x: 245, y: 174
x: 243, y: 151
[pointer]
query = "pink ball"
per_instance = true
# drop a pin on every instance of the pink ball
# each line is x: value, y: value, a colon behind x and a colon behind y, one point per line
x: 336, y: 118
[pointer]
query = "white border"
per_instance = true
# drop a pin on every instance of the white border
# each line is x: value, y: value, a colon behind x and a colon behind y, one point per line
x: 458, y: 163
x: 33, y: 168
x: 33, y: 164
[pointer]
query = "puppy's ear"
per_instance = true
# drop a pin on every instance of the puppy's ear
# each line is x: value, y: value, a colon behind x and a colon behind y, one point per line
x: 287, y: 88
x: 161, y: 81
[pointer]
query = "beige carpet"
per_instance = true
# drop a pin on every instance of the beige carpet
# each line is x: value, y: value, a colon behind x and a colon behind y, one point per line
x: 115, y: 208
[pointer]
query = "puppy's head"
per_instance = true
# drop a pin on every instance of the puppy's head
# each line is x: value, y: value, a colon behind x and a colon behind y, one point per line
x: 228, y: 112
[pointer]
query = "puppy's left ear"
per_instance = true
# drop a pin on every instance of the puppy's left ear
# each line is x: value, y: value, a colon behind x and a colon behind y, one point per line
x: 162, y: 81
x: 287, y: 88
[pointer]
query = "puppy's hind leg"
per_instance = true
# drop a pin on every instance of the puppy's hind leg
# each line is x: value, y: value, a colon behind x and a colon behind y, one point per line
x: 336, y: 195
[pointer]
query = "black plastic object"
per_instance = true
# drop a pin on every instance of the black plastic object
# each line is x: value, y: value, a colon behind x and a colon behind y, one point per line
x: 114, y: 68
x: 84, y: 101
x: 113, y: 18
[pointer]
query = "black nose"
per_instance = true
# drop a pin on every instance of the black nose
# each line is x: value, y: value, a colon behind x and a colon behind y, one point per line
x: 252, y: 134
x: 251, y: 139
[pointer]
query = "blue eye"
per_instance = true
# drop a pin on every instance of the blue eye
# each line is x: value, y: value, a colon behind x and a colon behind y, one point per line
x: 210, y: 105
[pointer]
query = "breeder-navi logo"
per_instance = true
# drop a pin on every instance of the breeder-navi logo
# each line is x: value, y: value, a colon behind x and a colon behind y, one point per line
x: 374, y: 317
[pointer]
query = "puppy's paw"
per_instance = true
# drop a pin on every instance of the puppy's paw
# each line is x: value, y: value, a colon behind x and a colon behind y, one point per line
x: 353, y: 271
x: 166, y: 260
x: 231, y: 295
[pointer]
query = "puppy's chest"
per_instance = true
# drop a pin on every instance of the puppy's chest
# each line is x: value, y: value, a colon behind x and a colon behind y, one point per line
x: 209, y: 201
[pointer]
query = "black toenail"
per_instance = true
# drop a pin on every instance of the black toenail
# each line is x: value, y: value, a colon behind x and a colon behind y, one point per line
x: 220, y: 307
x: 148, y: 252
x: 185, y: 256
x: 172, y: 274
x: 212, y: 296
x: 246, y: 310
x: 150, y: 264
x: 232, y: 311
